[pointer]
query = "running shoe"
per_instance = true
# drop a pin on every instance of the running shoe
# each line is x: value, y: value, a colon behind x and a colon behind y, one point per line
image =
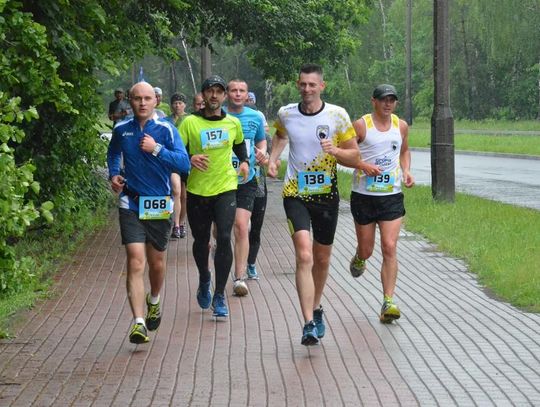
x: 240, y: 288
x: 153, y: 317
x: 357, y: 267
x: 175, y: 234
x: 309, y: 335
x: 219, y: 306
x: 318, y: 318
x: 138, y: 334
x: 204, y: 296
x: 252, y: 272
x: 182, y: 231
x: 389, y: 310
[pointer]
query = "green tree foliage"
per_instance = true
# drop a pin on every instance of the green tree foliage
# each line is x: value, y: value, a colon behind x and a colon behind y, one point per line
x: 52, y: 54
x: 494, y: 60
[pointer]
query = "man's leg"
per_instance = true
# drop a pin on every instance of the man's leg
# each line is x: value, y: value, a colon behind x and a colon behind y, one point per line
x: 365, y: 237
x: 321, y: 263
x: 176, y: 186
x: 305, y: 285
x: 224, y: 216
x: 241, y: 241
x: 200, y: 222
x: 389, y: 238
x: 156, y: 266
x: 135, y: 278
x: 257, y: 219
x: 183, y: 198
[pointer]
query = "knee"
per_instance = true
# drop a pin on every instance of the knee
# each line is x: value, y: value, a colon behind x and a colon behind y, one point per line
x: 389, y: 248
x: 322, y: 261
x: 240, y: 230
x: 304, y: 257
x: 136, y: 264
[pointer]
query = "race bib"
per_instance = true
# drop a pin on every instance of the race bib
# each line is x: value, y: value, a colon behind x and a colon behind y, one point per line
x: 155, y: 207
x: 214, y: 138
x: 380, y: 183
x: 236, y: 161
x: 314, y: 182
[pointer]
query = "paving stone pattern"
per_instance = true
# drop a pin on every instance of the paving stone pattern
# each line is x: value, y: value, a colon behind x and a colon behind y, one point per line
x: 453, y: 346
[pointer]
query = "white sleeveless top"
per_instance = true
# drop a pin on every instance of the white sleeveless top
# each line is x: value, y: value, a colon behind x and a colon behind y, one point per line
x: 381, y: 148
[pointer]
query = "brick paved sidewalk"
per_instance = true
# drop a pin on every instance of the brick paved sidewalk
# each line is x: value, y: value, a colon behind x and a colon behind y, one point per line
x: 454, y: 345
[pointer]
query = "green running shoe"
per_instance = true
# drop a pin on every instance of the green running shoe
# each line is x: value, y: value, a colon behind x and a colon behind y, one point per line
x: 138, y: 334
x: 357, y: 266
x: 389, y: 311
x: 153, y: 317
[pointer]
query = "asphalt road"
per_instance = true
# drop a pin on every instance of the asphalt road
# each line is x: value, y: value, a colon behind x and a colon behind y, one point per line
x: 507, y: 179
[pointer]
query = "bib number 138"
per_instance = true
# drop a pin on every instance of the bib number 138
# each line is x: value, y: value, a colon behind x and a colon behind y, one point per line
x: 313, y: 182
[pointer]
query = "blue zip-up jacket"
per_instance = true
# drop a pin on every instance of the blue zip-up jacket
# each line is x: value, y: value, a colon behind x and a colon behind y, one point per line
x: 146, y: 174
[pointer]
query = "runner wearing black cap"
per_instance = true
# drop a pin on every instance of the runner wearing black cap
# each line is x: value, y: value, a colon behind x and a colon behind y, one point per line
x: 211, y: 135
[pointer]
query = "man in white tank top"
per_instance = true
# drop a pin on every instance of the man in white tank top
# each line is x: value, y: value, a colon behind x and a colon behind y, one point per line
x: 376, y: 197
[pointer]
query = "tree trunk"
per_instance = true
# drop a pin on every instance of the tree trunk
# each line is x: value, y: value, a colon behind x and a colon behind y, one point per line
x: 184, y: 45
x: 471, y: 89
x: 385, y: 52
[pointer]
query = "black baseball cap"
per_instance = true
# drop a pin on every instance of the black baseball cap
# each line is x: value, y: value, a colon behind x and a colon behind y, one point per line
x: 212, y: 81
x: 384, y: 90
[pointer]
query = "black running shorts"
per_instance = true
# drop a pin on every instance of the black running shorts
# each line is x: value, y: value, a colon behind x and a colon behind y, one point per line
x: 368, y: 209
x: 134, y: 230
x: 245, y: 195
x: 322, y: 216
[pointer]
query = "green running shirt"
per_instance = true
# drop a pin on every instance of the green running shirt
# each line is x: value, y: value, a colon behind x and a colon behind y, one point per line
x: 215, y: 138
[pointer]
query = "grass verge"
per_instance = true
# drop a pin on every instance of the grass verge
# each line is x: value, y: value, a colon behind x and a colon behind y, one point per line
x: 50, y: 249
x: 508, y: 144
x: 499, y: 242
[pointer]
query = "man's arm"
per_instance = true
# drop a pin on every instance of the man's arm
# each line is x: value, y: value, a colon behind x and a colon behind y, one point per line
x: 279, y: 141
x: 114, y: 155
x: 172, y: 152
x: 360, y: 130
x: 405, y: 154
x: 346, y: 154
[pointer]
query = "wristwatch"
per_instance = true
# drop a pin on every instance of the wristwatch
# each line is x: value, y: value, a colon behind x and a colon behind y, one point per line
x: 157, y: 149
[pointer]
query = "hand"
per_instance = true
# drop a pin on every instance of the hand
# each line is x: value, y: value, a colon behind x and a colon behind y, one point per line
x: 328, y: 147
x: 261, y: 156
x: 272, y: 169
x: 408, y: 179
x: 147, y: 143
x: 244, y: 170
x: 117, y: 183
x: 200, y: 161
x: 370, y: 170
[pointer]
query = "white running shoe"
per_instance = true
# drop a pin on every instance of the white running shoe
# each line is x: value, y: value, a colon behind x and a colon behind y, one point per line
x: 240, y: 288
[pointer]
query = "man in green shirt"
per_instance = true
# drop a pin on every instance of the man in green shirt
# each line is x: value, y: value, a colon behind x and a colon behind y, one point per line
x: 210, y: 136
x: 162, y: 109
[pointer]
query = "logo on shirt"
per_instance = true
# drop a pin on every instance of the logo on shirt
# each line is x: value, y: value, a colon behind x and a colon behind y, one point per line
x: 384, y: 162
x: 127, y: 134
x: 394, y: 145
x: 253, y: 126
x: 323, y: 132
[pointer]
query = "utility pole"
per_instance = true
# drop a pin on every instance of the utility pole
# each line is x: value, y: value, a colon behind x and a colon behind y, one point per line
x: 408, y: 69
x: 442, y: 121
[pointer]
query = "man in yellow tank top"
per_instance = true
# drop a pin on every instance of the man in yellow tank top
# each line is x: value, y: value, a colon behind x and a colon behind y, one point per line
x: 376, y: 197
